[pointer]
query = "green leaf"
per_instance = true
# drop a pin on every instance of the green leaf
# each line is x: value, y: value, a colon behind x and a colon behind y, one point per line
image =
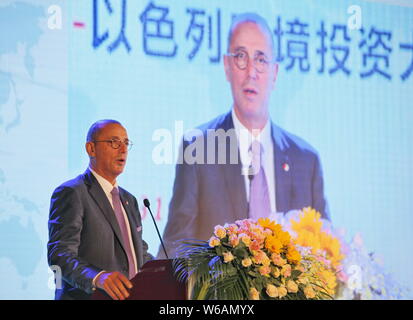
x: 295, y: 274
x: 253, y: 273
x: 220, y: 250
x: 240, y: 252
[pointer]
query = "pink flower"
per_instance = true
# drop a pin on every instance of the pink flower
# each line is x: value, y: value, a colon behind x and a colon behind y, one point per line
x: 233, y: 240
x: 233, y: 228
x: 278, y: 260
x: 259, y: 257
x: 264, y: 270
x: 324, y: 260
x: 244, y: 224
x: 342, y: 276
x: 254, y: 246
x: 286, y: 271
x: 258, y: 234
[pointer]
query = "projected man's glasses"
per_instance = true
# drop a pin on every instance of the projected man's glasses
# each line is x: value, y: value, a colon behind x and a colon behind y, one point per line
x: 241, y: 59
x: 116, y: 143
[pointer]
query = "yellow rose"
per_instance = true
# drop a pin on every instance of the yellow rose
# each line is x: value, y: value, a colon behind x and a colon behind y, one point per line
x: 282, y: 291
x: 266, y: 261
x: 309, y: 292
x: 246, y: 262
x: 246, y: 239
x: 220, y: 232
x: 272, y: 291
x: 254, y: 294
x: 233, y: 240
x: 214, y: 241
x: 228, y: 257
x: 276, y: 272
x: 292, y: 286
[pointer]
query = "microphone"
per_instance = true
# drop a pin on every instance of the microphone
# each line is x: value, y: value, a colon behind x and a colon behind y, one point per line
x: 147, y: 204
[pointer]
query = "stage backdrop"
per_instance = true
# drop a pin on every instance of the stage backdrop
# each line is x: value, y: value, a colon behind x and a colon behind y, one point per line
x: 345, y: 85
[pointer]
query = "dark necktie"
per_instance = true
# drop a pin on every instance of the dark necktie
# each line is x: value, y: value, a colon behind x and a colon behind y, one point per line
x: 117, y: 207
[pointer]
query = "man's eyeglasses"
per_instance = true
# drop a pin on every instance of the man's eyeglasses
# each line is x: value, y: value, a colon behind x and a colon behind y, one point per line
x: 116, y: 143
x: 241, y: 59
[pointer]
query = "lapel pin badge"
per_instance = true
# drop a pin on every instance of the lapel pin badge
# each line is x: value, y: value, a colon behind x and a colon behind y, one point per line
x: 286, y: 167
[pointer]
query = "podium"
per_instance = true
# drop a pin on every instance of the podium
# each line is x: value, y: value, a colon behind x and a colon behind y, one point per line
x: 155, y: 281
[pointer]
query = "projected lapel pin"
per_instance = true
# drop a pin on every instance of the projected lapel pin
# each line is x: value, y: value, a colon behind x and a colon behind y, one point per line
x: 286, y: 167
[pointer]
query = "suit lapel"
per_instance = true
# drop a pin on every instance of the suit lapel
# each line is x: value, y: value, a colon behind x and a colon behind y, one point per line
x: 103, y: 203
x: 283, y: 166
x: 234, y: 179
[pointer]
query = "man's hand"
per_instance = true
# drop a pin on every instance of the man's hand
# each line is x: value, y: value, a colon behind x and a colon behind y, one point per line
x: 114, y: 284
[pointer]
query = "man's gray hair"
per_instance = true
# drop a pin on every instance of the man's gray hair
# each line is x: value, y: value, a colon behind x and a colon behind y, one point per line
x: 249, y: 17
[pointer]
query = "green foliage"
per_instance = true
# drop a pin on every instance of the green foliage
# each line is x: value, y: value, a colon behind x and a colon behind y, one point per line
x: 215, y: 279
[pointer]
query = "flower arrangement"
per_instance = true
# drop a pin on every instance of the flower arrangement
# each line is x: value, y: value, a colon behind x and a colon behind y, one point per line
x: 252, y: 260
x: 354, y: 272
x: 301, y: 257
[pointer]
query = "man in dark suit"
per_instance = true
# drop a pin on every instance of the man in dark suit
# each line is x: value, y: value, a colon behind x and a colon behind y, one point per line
x: 263, y: 168
x: 95, y: 228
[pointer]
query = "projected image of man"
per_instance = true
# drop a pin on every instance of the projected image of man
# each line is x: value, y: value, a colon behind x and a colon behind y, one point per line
x: 276, y: 172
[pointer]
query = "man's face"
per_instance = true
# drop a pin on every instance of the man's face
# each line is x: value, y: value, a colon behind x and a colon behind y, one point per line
x: 251, y: 90
x: 107, y: 161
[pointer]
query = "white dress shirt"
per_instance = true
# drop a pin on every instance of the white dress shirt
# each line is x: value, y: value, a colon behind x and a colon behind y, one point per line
x: 245, y: 139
